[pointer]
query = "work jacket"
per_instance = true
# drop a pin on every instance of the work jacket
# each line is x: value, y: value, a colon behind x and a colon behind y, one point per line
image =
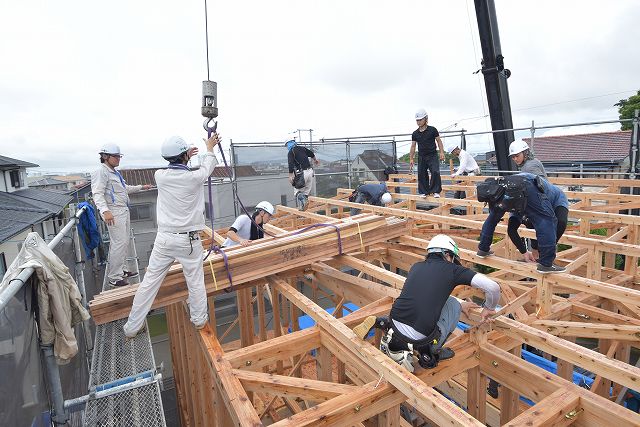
x: 110, y: 191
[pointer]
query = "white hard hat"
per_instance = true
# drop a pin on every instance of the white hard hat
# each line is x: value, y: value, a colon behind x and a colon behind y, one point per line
x: 386, y: 198
x: 267, y: 207
x: 517, y: 146
x: 110, y: 148
x: 173, y: 147
x: 452, y: 148
x: 443, y: 243
x: 421, y: 114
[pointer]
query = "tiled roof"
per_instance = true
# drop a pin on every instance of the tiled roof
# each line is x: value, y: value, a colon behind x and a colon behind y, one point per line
x: 241, y: 171
x: 589, y: 147
x: 139, y: 176
x: 8, y: 162
x: 23, y: 208
x: 376, y: 159
x: 44, y: 181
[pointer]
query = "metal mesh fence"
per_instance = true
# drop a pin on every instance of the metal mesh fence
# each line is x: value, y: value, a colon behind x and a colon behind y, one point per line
x: 138, y: 407
x: 260, y: 171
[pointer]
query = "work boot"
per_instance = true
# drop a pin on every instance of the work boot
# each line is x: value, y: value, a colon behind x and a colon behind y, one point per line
x: 445, y: 353
x: 128, y: 274
x: 492, y: 390
x: 118, y: 283
x: 484, y: 254
x: 551, y: 269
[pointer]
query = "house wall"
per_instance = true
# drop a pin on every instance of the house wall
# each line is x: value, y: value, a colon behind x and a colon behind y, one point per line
x: 5, y: 180
x: 11, y: 247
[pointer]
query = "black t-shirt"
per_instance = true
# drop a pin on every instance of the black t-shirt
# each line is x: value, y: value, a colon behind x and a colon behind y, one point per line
x: 426, y: 290
x: 426, y: 140
x: 302, y: 158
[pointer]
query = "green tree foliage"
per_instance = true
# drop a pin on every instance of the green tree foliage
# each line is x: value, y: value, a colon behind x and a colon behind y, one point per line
x: 626, y: 108
x: 447, y: 156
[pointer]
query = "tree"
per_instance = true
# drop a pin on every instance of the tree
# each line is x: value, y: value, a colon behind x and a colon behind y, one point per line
x: 626, y: 109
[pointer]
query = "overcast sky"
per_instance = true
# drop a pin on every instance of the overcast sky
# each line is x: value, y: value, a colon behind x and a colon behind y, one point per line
x: 76, y: 74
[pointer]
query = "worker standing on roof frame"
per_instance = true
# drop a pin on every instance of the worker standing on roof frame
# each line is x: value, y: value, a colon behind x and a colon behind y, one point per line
x: 111, y: 196
x: 180, y: 213
x: 298, y: 160
x: 426, y: 137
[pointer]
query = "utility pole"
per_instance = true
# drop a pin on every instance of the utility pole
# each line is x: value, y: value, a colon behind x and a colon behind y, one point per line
x: 310, y: 135
x: 495, y: 81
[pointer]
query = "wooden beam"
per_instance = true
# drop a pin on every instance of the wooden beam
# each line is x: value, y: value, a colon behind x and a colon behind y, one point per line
x: 595, y: 362
x: 422, y: 397
x: 553, y: 411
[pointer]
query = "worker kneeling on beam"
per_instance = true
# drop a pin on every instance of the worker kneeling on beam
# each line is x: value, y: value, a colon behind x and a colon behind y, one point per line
x: 180, y: 213
x: 374, y: 194
x: 425, y: 313
x: 247, y: 228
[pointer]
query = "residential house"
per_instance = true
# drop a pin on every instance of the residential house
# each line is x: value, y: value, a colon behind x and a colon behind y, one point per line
x: 603, y: 151
x: 370, y: 164
x: 47, y: 183
x: 24, y: 209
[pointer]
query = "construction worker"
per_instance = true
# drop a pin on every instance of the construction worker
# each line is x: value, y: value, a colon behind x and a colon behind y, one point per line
x: 374, y: 194
x: 521, y: 154
x: 539, y: 210
x: 111, y: 196
x: 298, y: 159
x: 468, y: 166
x: 245, y: 229
x: 180, y: 213
x: 561, y: 209
x: 426, y: 137
x: 425, y: 313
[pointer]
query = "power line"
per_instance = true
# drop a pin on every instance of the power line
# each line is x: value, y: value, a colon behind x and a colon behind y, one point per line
x: 574, y: 100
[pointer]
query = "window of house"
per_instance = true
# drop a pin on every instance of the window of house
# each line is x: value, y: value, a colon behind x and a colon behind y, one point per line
x: 3, y: 265
x: 140, y: 212
x: 16, y: 178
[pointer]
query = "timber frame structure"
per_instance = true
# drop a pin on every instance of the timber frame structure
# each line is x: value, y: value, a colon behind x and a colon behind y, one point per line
x: 325, y: 375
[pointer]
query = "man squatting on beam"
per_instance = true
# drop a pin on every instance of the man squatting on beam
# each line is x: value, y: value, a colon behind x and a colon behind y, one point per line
x: 180, y: 213
x: 425, y: 313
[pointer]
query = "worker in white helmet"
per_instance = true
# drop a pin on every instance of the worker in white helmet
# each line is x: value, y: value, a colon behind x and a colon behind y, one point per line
x: 425, y: 313
x: 180, y: 213
x: 426, y: 137
x: 111, y: 196
x: 374, y: 194
x: 248, y: 228
x: 468, y: 166
x: 521, y: 154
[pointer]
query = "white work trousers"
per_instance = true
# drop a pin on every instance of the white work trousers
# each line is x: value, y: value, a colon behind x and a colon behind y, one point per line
x: 167, y: 248
x: 309, y: 183
x: 118, y: 244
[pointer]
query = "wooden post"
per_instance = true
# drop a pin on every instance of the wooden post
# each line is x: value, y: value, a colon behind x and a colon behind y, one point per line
x: 477, y: 394
x: 509, y: 399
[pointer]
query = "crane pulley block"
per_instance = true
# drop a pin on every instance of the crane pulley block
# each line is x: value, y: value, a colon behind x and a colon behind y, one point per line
x: 209, y: 99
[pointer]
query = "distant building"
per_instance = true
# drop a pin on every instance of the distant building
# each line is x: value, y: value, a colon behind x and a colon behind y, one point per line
x: 370, y: 164
x: 47, y: 183
x: 24, y: 209
x: 602, y: 152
